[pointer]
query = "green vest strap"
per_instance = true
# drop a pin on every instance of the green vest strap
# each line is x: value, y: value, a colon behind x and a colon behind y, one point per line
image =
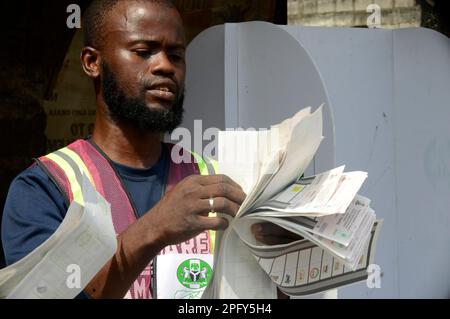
x: 74, y: 168
x: 207, y: 166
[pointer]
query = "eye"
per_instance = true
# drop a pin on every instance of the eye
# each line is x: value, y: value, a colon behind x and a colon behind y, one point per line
x: 143, y: 53
x: 177, y: 56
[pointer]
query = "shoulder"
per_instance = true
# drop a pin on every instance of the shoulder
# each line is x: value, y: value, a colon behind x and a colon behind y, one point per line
x: 33, y: 188
x: 31, y: 175
x: 34, y: 179
x: 33, y: 210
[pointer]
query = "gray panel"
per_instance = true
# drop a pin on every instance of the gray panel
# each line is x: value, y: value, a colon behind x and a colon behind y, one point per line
x: 422, y: 102
x: 277, y: 78
x: 205, y: 83
x: 356, y: 65
x: 231, y: 76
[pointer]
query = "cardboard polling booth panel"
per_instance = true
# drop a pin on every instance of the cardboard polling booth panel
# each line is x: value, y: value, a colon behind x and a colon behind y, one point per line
x: 387, y: 108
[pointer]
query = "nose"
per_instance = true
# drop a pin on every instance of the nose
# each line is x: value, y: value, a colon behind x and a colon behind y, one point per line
x: 162, y: 65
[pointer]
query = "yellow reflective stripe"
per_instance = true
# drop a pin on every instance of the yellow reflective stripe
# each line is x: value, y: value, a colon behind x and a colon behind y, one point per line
x: 215, y: 165
x: 212, y: 234
x: 68, y: 170
x: 77, y: 159
x: 201, y: 164
x: 203, y: 168
x: 212, y: 240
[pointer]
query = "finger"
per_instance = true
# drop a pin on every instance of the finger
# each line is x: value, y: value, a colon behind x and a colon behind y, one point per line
x: 223, y: 190
x: 220, y: 205
x: 256, y: 229
x: 213, y: 223
x: 274, y: 240
x: 216, y: 179
x: 268, y: 229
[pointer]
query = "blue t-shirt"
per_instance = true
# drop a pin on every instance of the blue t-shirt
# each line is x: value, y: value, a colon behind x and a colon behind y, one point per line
x: 35, y: 208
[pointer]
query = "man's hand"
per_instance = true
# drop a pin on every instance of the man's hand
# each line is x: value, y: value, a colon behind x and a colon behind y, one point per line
x: 183, y: 212
x: 270, y: 234
x: 180, y: 215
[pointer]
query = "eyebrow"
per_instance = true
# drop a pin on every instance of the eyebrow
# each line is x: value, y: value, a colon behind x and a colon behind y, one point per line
x: 178, y: 45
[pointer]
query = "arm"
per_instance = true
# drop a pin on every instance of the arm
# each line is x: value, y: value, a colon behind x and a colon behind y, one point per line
x: 33, y: 211
x: 180, y: 215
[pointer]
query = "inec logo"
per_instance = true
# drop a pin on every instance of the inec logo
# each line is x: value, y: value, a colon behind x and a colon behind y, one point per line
x: 194, y: 273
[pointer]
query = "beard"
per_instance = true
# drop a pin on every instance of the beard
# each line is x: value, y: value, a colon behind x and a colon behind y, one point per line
x: 134, y: 111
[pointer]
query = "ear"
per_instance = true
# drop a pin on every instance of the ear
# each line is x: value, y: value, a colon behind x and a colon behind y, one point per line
x: 91, y: 61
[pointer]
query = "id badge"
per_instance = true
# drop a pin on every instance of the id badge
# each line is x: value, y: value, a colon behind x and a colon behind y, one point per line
x: 183, y: 276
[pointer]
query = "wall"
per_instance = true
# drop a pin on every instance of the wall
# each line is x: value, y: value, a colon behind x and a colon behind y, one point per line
x: 339, y: 13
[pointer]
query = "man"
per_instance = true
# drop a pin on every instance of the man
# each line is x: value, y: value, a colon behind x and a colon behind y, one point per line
x: 135, y: 53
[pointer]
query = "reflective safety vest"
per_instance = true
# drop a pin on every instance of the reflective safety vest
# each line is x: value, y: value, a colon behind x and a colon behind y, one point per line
x: 65, y: 168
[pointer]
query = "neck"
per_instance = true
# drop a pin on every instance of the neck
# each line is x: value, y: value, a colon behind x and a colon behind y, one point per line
x: 125, y: 144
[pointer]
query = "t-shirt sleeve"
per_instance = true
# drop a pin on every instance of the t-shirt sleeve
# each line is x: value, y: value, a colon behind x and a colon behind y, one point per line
x: 33, y: 211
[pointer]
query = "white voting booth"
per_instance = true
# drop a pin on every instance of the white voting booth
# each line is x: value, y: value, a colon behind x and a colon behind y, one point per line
x: 387, y: 112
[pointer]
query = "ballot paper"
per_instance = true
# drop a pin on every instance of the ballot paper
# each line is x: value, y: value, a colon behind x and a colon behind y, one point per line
x: 66, y: 262
x: 338, y: 226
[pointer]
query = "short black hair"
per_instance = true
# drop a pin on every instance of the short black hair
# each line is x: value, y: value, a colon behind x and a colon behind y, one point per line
x: 94, y: 18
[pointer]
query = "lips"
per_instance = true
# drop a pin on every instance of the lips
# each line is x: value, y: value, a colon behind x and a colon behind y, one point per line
x: 162, y: 95
x: 163, y: 91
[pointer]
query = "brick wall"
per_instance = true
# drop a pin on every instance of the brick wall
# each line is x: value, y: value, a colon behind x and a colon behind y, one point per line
x: 350, y: 13
x: 199, y: 15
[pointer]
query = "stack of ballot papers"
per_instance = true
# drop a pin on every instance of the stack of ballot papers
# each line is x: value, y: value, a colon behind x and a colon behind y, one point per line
x: 338, y: 229
x: 65, y: 263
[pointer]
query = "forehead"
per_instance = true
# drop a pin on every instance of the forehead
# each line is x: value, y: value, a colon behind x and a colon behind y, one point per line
x: 144, y: 20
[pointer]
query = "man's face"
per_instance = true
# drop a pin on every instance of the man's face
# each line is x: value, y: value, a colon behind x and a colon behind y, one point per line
x: 143, y: 65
